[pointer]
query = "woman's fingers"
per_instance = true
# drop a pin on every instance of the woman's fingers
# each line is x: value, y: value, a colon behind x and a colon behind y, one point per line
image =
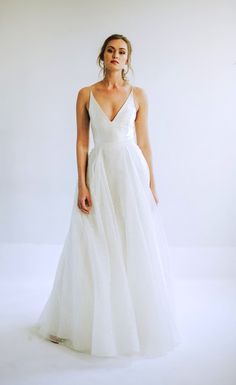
x: 89, y: 200
x: 82, y: 205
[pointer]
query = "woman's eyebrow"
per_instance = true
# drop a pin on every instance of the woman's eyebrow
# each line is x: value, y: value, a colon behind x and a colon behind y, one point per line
x: 114, y: 47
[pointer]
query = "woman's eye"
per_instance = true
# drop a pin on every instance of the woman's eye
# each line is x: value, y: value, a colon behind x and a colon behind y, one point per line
x: 110, y: 50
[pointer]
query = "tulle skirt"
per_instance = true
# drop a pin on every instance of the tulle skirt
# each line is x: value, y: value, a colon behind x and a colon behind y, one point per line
x: 112, y: 293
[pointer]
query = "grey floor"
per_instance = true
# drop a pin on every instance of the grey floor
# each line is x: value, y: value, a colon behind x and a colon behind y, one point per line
x: 206, y: 317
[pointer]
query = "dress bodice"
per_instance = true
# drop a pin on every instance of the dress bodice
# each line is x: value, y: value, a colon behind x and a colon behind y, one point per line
x: 122, y: 127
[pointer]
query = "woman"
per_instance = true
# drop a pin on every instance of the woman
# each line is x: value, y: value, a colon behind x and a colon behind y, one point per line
x: 112, y: 92
x: 112, y: 293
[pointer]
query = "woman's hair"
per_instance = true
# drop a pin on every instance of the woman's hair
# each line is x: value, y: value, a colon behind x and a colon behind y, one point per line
x: 100, y: 58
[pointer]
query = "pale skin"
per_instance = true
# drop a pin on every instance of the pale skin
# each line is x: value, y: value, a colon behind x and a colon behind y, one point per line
x: 110, y: 93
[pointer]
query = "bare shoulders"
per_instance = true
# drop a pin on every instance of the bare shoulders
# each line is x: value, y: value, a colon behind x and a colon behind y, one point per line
x: 140, y: 97
x: 140, y: 93
x: 84, y: 94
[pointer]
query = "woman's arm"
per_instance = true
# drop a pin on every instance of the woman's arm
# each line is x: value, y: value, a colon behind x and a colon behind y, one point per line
x: 82, y: 142
x: 84, y: 200
x: 141, y: 126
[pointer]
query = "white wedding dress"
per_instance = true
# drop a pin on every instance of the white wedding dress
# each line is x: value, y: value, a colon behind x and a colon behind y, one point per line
x: 112, y: 294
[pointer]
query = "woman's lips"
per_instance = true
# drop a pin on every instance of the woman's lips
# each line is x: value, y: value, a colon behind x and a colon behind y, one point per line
x: 114, y: 61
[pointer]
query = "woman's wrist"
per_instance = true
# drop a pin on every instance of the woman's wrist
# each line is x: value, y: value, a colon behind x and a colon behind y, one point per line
x: 81, y: 183
x: 152, y: 182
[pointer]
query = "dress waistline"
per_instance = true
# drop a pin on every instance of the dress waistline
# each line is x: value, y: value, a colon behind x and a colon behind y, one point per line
x: 114, y: 142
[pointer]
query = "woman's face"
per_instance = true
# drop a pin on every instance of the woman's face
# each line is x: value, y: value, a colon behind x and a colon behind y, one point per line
x: 115, y: 55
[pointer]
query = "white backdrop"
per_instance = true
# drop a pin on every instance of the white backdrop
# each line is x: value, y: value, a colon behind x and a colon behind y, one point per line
x: 183, y: 56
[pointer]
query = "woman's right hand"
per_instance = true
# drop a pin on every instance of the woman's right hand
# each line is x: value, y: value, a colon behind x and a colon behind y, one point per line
x: 84, y: 201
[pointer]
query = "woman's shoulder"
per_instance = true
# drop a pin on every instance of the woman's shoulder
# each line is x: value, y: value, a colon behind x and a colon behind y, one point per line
x: 140, y: 97
x: 140, y: 91
x: 83, y: 94
x: 86, y: 89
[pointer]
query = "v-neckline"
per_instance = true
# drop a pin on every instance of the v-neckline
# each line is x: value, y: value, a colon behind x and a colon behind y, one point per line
x: 120, y: 109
